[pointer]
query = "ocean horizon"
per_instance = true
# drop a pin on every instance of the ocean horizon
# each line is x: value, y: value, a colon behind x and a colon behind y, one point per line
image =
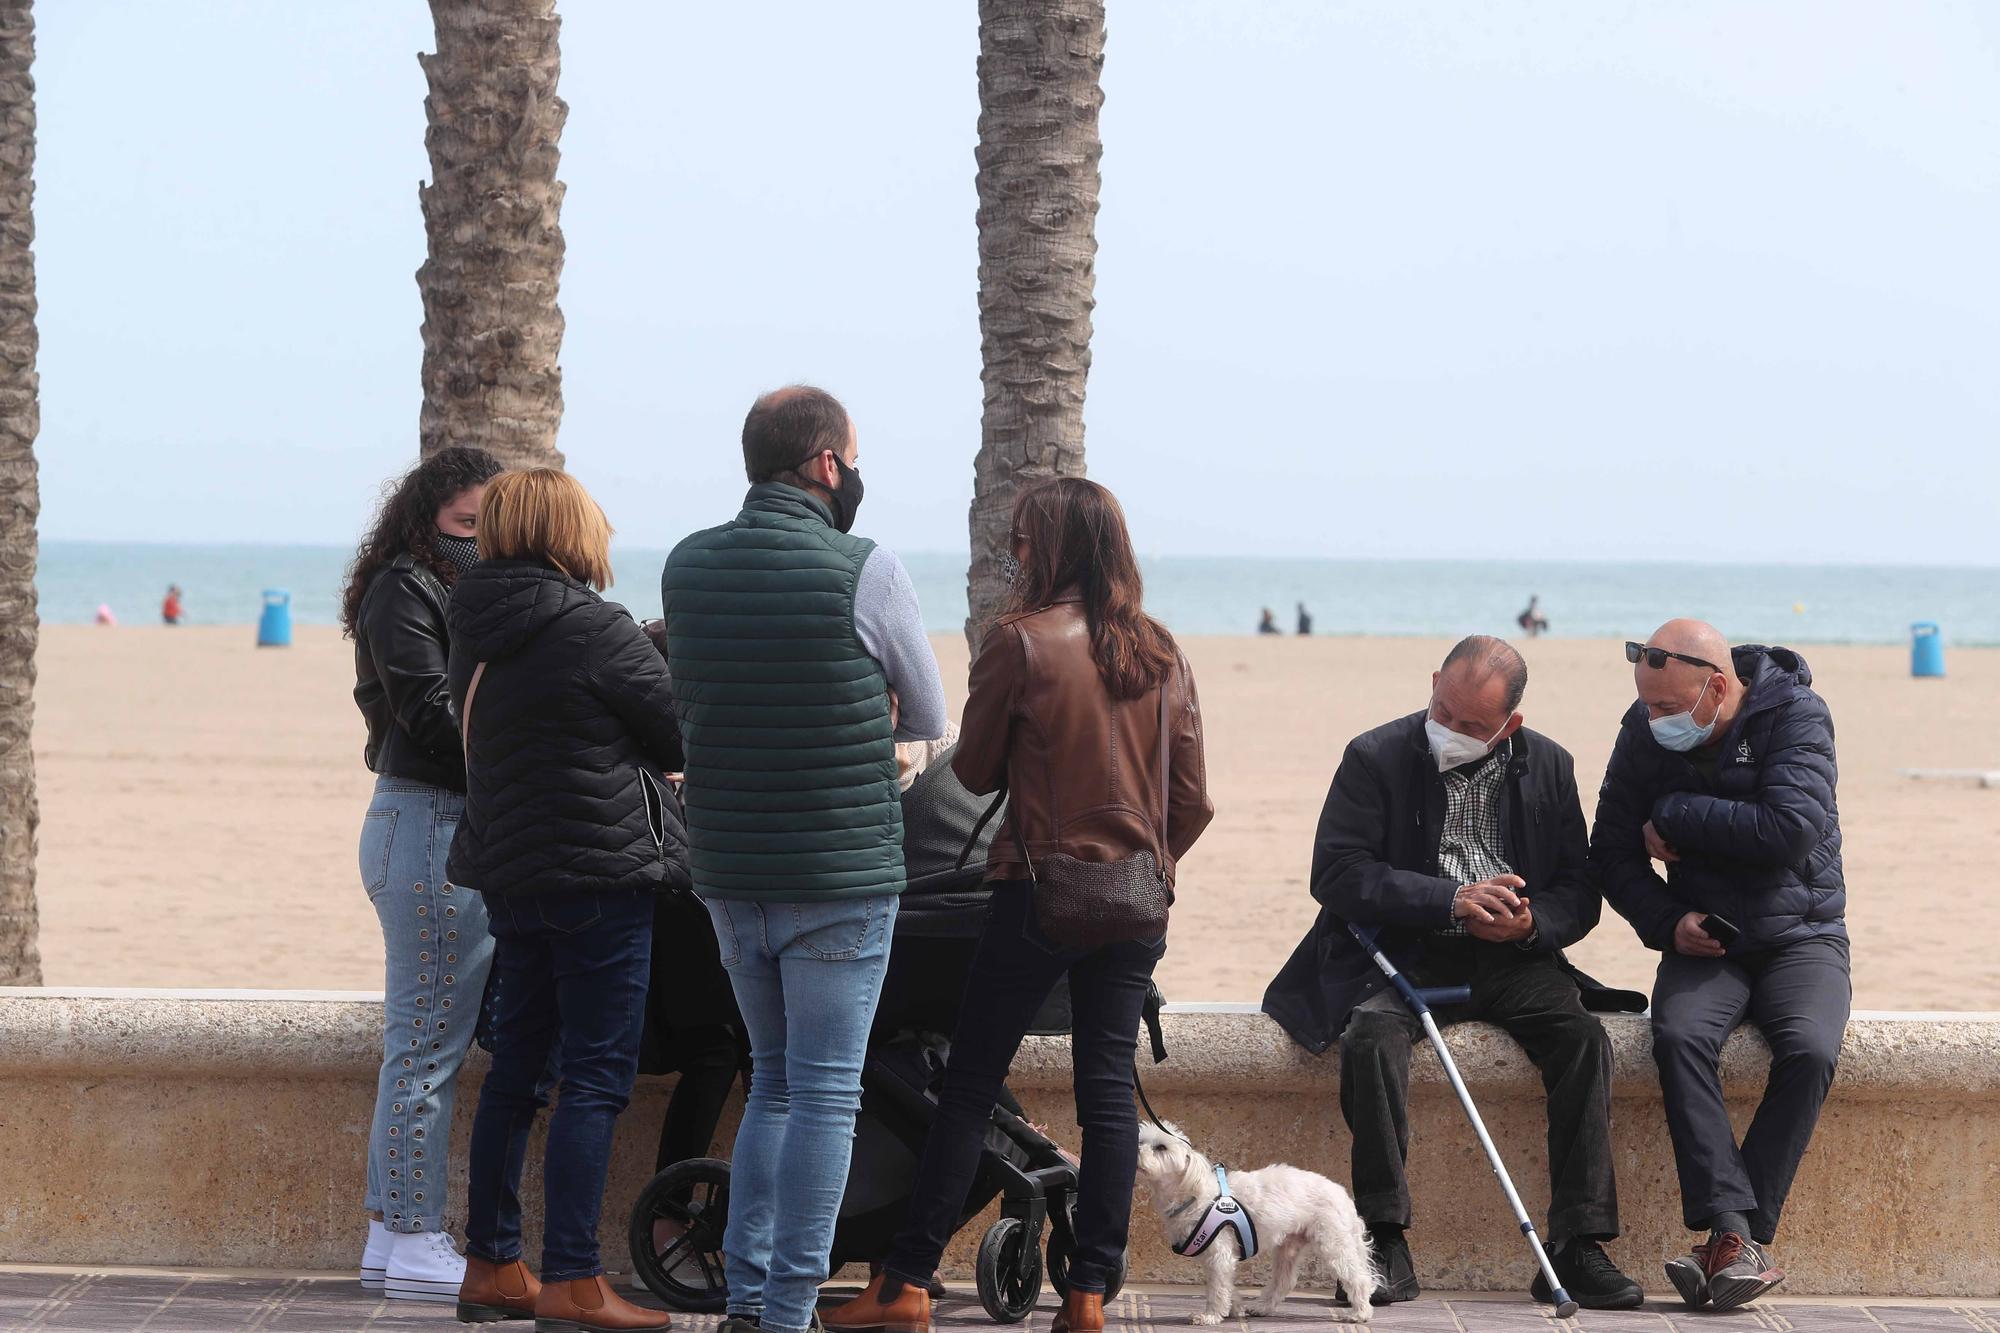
x: 223, y: 584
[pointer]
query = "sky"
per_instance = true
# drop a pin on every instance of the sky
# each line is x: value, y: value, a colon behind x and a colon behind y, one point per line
x: 1554, y: 279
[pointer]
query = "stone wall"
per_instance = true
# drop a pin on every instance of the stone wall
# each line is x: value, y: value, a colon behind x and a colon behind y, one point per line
x: 227, y: 1129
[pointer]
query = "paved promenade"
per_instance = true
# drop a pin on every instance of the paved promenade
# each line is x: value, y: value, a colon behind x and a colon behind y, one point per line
x: 212, y: 1303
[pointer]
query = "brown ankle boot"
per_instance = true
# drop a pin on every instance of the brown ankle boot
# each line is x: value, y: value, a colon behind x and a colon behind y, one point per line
x: 493, y: 1292
x: 589, y: 1305
x: 1082, y: 1312
x: 909, y: 1312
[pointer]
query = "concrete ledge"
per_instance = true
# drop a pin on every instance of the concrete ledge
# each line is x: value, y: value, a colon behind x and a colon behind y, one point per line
x: 227, y: 1129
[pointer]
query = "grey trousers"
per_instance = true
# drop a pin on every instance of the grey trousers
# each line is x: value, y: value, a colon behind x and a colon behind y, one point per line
x: 1537, y: 1003
x: 1798, y: 997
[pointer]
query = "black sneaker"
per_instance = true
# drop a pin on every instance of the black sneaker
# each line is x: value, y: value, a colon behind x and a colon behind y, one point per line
x: 1392, y: 1261
x: 1591, y: 1279
x: 1739, y: 1271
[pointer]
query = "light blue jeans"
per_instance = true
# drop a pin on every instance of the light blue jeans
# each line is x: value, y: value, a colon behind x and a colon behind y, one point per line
x: 438, y: 952
x: 807, y: 976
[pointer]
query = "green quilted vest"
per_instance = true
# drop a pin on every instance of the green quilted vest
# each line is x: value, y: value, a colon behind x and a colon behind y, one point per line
x: 791, y: 762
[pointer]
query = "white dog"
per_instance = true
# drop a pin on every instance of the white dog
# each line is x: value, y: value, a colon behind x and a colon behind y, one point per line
x: 1297, y: 1216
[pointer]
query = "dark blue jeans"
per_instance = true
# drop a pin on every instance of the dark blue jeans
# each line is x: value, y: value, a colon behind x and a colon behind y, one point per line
x: 1012, y: 973
x: 572, y: 972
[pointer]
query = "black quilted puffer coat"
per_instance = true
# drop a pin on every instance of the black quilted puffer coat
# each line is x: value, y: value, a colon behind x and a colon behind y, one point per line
x: 1757, y: 828
x: 570, y: 732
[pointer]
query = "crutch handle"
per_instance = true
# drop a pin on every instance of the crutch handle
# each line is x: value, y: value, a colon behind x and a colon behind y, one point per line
x: 1414, y: 998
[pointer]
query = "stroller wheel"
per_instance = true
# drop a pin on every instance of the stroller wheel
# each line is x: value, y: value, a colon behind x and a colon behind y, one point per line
x: 676, y: 1235
x: 1009, y: 1270
x: 1062, y: 1249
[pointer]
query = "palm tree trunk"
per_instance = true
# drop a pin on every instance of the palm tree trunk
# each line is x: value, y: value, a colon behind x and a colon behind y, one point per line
x: 492, y: 214
x: 1039, y: 62
x: 20, y: 499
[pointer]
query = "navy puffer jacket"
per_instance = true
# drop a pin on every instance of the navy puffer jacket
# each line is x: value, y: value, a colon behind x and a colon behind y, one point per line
x: 571, y: 728
x: 1758, y: 836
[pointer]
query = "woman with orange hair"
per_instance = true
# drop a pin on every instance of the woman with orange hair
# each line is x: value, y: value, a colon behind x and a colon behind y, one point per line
x: 569, y: 833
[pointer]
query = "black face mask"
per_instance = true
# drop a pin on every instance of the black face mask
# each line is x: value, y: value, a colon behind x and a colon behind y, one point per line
x: 462, y: 552
x: 848, y: 498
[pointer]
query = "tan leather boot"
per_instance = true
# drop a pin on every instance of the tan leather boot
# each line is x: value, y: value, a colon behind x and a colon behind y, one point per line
x: 493, y: 1292
x: 589, y: 1305
x: 1082, y: 1312
x: 909, y: 1312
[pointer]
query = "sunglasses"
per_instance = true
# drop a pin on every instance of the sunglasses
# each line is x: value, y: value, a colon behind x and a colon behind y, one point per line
x: 1656, y: 658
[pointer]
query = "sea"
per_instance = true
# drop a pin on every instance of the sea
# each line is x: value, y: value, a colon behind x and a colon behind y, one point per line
x: 1195, y: 595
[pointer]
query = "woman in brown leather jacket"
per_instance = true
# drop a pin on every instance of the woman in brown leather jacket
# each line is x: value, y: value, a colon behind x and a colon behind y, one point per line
x: 1064, y: 709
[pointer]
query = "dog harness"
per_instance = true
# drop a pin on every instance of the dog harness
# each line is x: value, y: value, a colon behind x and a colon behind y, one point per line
x: 1224, y: 1214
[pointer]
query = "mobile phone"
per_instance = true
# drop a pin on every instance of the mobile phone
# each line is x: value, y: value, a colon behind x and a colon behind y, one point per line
x: 1720, y: 929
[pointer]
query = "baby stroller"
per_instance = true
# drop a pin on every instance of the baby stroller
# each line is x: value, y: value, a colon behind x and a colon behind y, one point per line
x: 937, y: 928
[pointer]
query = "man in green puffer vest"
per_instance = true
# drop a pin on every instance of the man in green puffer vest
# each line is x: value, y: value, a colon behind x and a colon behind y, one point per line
x: 799, y: 660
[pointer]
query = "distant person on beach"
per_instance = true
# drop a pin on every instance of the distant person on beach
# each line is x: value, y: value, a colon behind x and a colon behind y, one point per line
x: 434, y: 938
x: 1305, y: 621
x: 1426, y: 837
x: 104, y: 616
x: 1268, y: 624
x: 170, y: 609
x: 808, y: 906
x: 1532, y: 621
x: 1724, y: 773
x: 570, y: 835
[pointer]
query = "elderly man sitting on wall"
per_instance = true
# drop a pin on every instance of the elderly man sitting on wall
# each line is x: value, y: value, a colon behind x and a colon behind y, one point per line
x: 1724, y: 772
x: 1460, y: 835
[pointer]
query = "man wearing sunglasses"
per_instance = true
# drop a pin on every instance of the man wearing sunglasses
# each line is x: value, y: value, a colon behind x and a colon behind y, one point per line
x: 1724, y: 773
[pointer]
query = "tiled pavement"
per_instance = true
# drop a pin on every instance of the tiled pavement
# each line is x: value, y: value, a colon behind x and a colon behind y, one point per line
x: 208, y: 1303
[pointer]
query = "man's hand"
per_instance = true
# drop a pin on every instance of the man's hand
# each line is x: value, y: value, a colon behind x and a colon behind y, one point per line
x: 1692, y: 940
x: 896, y: 716
x: 1488, y: 901
x: 1507, y: 930
x: 1656, y: 846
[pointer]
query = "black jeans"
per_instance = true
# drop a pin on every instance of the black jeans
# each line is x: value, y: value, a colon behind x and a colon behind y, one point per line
x: 1798, y: 997
x: 573, y: 971
x: 1537, y: 1003
x: 695, y: 1109
x: 1012, y: 973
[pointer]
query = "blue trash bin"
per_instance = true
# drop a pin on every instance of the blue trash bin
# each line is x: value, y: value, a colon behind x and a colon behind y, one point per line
x: 274, y: 627
x: 1926, y: 649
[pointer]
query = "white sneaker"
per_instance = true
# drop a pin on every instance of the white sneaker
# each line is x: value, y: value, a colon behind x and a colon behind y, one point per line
x: 375, y: 1255
x: 424, y: 1266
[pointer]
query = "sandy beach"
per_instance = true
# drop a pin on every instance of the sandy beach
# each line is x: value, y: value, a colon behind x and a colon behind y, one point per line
x: 201, y: 801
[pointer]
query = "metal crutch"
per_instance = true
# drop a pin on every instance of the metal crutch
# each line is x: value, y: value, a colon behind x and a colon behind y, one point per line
x: 1418, y: 1002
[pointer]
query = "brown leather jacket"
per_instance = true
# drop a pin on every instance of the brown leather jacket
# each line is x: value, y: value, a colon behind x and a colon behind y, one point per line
x: 1082, y: 770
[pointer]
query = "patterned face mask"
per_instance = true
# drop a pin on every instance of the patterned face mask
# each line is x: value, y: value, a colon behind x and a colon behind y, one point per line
x: 462, y: 552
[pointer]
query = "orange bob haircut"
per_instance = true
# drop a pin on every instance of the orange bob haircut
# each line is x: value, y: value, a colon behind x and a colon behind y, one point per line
x: 546, y: 516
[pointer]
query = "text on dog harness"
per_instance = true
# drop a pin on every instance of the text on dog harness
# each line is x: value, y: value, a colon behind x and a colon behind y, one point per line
x: 1224, y: 1214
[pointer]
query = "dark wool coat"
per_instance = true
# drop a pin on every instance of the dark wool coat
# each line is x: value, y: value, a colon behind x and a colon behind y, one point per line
x: 1375, y: 863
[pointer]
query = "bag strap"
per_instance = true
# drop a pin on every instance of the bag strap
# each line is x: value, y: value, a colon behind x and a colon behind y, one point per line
x: 465, y: 714
x: 1164, y: 684
x: 999, y: 799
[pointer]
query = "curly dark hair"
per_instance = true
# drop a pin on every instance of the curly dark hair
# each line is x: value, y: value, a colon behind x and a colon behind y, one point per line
x: 406, y: 521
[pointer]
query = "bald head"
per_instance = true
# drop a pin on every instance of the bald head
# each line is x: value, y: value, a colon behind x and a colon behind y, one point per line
x: 1707, y: 688
x: 1695, y: 638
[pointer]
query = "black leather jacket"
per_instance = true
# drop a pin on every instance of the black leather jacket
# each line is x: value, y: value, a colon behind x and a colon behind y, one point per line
x: 400, y: 653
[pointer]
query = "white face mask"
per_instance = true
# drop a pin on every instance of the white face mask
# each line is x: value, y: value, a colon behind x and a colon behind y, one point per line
x: 1451, y: 749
